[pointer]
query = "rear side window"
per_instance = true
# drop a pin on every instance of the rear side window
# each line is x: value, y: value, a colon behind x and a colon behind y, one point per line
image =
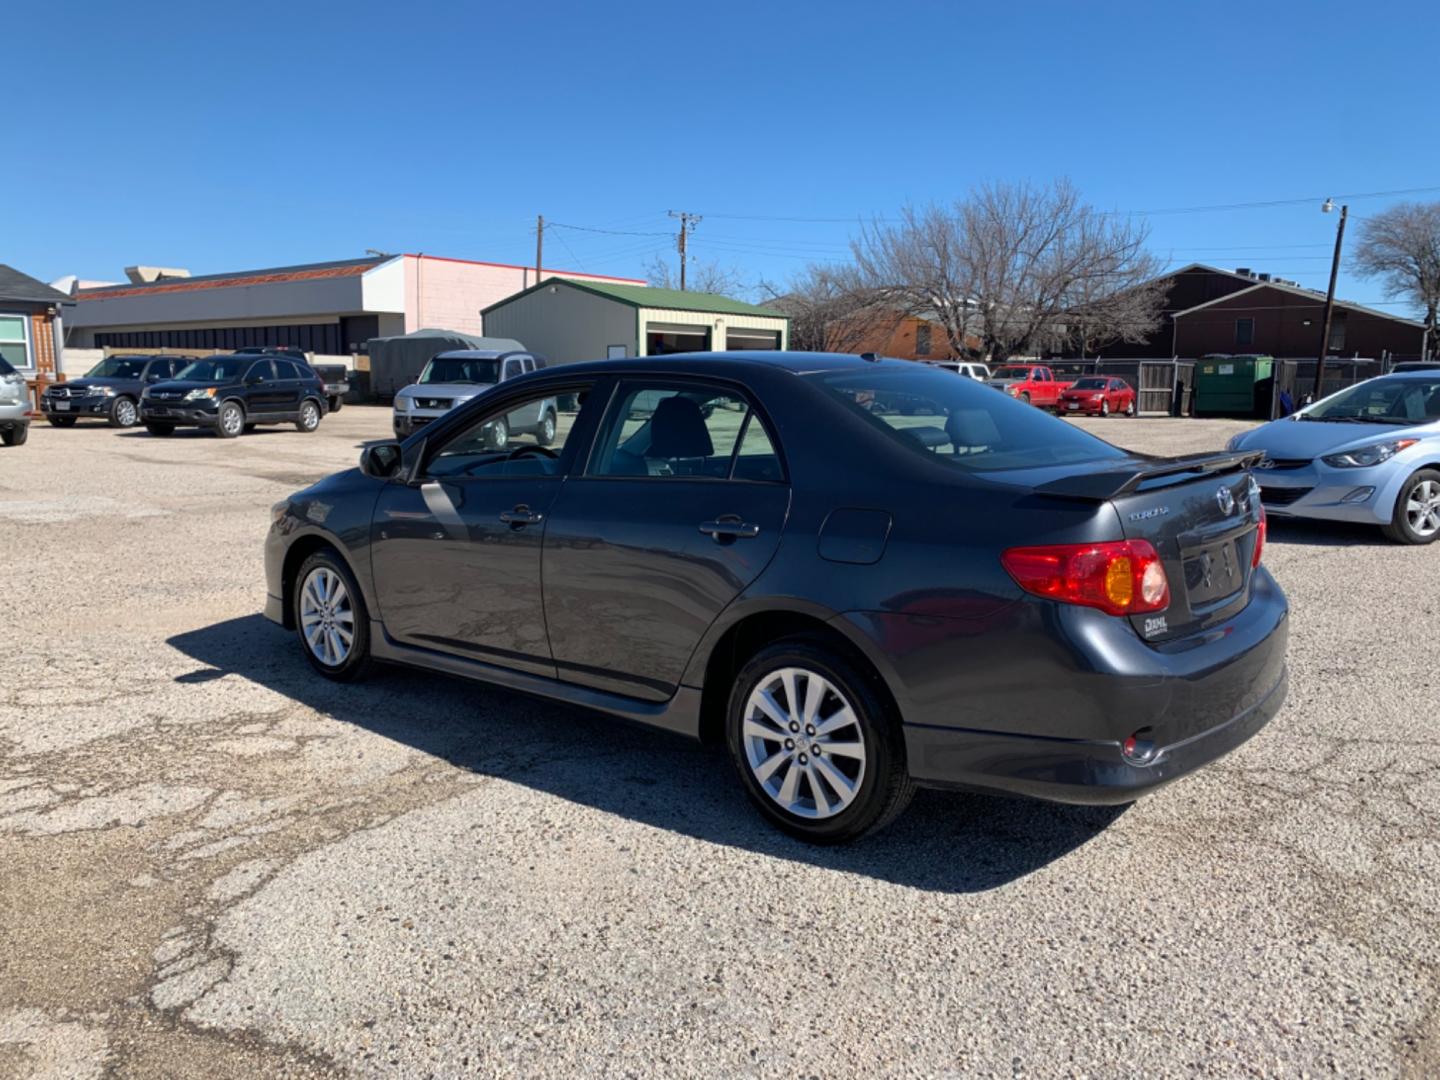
x: 961, y: 422
x: 691, y: 431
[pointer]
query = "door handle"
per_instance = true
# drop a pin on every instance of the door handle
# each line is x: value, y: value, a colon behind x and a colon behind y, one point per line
x: 729, y: 527
x: 521, y: 516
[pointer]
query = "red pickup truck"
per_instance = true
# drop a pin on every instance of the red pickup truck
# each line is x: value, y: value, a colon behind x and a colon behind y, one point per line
x: 1034, y: 384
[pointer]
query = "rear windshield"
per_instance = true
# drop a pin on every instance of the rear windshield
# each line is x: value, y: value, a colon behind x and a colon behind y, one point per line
x: 960, y: 421
x: 221, y: 370
x: 1382, y: 401
x: 461, y: 369
x: 119, y: 367
x: 1013, y: 373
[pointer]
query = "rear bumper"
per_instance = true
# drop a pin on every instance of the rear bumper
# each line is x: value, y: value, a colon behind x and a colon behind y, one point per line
x: 1060, y: 770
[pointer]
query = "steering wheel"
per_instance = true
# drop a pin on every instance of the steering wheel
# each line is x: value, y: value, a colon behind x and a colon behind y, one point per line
x: 527, y: 448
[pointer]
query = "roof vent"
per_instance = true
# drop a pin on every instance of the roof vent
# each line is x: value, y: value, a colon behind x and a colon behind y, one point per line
x: 1264, y: 277
x: 148, y: 275
x: 1244, y: 271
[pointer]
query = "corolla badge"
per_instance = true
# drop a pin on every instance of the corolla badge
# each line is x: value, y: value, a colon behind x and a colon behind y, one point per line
x: 1153, y: 512
x: 1226, y: 498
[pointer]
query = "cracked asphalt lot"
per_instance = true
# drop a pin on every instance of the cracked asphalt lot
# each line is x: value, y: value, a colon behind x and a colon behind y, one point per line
x: 214, y: 864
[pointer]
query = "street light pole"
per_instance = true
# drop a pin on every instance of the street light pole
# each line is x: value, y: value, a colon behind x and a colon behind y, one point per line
x: 1329, y: 296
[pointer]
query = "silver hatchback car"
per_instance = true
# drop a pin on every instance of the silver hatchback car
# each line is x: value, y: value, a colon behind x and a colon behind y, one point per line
x: 453, y: 378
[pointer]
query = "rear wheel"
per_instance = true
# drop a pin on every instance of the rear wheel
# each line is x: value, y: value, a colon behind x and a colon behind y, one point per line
x: 335, y: 403
x: 61, y: 421
x: 1105, y: 408
x: 231, y: 420
x: 309, y: 418
x: 155, y: 427
x: 124, y: 413
x: 250, y: 427
x: 16, y: 435
x: 1416, y: 519
x: 546, y: 435
x: 330, y: 618
x: 1130, y: 407
x: 818, y: 749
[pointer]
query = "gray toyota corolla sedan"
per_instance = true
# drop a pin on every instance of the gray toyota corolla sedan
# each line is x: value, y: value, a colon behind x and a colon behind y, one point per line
x: 755, y: 548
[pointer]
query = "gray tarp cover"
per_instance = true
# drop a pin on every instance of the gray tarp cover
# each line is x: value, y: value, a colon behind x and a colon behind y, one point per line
x: 396, y: 361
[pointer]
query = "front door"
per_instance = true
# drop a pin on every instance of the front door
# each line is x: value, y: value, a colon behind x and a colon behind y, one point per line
x: 456, y: 553
x: 264, y: 391
x: 681, y: 508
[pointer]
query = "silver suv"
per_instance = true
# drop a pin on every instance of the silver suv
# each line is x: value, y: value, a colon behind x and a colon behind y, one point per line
x: 453, y: 378
x: 14, y: 406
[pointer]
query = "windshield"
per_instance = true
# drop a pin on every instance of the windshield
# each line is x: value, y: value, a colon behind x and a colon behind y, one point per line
x: 461, y: 369
x: 224, y: 369
x: 962, y: 422
x: 1012, y: 373
x: 119, y: 367
x: 1089, y: 384
x: 1381, y: 401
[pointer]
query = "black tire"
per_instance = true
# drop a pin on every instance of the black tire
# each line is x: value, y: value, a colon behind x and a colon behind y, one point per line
x: 61, y: 421
x: 1024, y: 398
x: 499, y: 433
x: 885, y: 786
x: 308, y: 418
x: 250, y: 427
x: 230, y: 420
x: 124, y: 412
x: 335, y: 403
x: 357, y: 661
x: 545, y: 436
x: 156, y: 427
x: 16, y: 435
x: 1130, y: 408
x: 1105, y: 408
x: 1400, y: 527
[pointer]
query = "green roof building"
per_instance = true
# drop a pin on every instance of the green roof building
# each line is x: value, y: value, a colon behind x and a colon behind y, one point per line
x: 567, y: 320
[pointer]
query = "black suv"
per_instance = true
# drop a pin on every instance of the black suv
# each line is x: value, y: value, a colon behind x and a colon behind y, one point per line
x: 235, y: 393
x: 109, y: 391
x: 336, y: 377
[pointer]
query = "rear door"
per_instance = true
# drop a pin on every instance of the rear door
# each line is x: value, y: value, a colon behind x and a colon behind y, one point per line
x: 290, y: 385
x: 1205, y: 531
x: 679, y: 509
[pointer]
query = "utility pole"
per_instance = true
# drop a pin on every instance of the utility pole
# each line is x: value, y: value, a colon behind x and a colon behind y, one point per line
x: 688, y: 221
x: 539, y: 244
x: 1329, y: 296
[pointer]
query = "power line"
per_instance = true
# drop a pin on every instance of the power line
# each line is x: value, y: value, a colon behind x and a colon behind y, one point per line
x: 608, y: 232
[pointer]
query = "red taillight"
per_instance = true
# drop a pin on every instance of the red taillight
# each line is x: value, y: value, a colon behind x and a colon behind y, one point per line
x: 1123, y: 577
x: 1259, y: 540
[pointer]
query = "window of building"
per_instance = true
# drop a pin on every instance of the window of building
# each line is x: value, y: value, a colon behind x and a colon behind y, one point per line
x: 15, y: 341
x: 1337, y: 334
x: 1244, y: 332
x: 922, y: 339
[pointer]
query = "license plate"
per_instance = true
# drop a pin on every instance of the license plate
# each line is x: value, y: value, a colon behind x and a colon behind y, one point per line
x: 1073, y: 406
x: 1213, y: 573
x: 159, y: 412
x: 61, y: 406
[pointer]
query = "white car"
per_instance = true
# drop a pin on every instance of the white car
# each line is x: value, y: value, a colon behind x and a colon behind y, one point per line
x: 978, y: 372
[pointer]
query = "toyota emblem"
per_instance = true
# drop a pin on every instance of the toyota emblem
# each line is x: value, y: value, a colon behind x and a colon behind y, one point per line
x: 1226, y: 498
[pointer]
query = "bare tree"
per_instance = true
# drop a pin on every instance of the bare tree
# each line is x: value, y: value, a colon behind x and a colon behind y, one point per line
x: 1401, y: 247
x: 830, y: 311
x: 1019, y: 267
x: 706, y: 277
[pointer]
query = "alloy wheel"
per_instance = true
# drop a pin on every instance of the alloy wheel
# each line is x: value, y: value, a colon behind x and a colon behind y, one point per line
x: 1422, y: 508
x: 310, y: 416
x: 232, y: 420
x: 125, y: 413
x: 327, y: 617
x: 803, y: 743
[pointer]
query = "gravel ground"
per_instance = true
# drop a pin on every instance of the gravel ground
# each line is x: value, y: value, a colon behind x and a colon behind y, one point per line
x: 216, y: 864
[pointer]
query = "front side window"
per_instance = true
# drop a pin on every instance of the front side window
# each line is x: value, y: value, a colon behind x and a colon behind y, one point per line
x: 118, y: 367
x: 526, y: 439
x: 225, y: 369
x: 959, y: 421
x: 685, y: 431
x: 15, y: 340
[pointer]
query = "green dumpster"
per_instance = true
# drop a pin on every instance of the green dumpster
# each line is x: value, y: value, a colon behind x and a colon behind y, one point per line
x: 1234, y: 385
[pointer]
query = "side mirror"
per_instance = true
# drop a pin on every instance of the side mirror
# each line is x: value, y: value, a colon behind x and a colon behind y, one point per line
x: 381, y: 461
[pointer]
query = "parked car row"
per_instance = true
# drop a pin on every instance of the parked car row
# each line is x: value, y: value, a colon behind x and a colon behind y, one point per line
x: 228, y: 394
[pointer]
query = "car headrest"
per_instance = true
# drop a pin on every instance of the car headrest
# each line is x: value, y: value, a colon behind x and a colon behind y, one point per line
x: 972, y: 427
x: 677, y: 430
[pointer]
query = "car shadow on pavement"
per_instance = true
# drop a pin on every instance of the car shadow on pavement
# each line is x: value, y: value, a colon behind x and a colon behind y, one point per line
x: 945, y: 842
x: 1310, y: 533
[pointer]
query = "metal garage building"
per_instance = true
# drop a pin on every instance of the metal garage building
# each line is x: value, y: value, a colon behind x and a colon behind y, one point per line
x: 568, y: 320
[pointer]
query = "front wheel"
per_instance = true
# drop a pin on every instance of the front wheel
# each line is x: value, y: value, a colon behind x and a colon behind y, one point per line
x: 61, y: 421
x: 499, y: 433
x: 1104, y: 408
x: 154, y: 427
x: 124, y: 413
x: 546, y: 435
x: 818, y: 749
x: 330, y: 618
x: 1024, y: 398
x: 1416, y: 519
x: 309, y: 418
x: 231, y: 420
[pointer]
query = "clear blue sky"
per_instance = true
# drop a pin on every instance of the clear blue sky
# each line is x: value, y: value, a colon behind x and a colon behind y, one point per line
x: 232, y: 136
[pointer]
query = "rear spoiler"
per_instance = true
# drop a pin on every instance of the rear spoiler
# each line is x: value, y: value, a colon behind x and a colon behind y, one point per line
x: 1104, y: 486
